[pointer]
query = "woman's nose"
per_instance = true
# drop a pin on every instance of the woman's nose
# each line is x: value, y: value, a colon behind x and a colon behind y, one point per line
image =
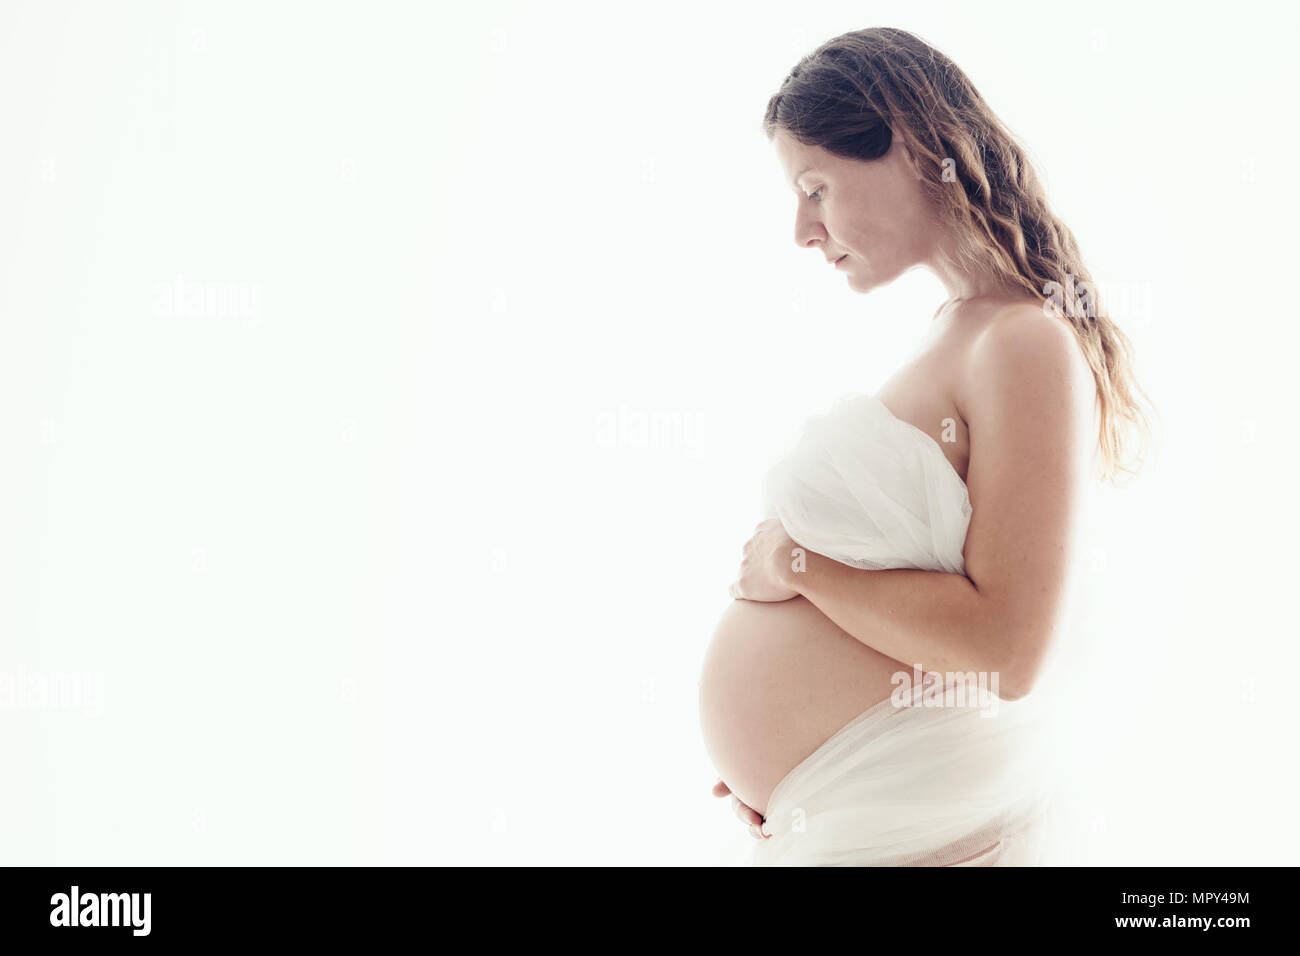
x: 807, y: 230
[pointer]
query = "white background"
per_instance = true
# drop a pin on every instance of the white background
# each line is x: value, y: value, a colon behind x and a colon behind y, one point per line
x: 381, y: 559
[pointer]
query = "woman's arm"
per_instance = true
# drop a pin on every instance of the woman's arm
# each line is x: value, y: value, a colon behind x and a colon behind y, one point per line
x: 931, y: 619
x: 1027, y: 396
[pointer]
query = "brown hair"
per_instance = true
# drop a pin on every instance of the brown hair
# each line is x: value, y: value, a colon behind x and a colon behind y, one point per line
x: 853, y: 93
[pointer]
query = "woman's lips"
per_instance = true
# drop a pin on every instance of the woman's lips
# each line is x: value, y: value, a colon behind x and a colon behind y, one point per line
x: 841, y: 259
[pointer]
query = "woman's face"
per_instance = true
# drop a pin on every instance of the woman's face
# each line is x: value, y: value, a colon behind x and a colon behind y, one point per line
x: 873, y: 213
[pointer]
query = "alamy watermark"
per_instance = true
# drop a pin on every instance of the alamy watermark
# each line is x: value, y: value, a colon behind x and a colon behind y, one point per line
x: 52, y: 690
x: 627, y: 426
x: 76, y: 908
x: 1122, y: 301
x: 183, y: 298
x: 978, y: 689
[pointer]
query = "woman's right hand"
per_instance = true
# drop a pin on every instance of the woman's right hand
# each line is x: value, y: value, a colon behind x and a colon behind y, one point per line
x: 748, y: 816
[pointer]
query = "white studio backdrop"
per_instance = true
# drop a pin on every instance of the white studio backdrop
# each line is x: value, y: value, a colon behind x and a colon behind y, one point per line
x: 386, y: 390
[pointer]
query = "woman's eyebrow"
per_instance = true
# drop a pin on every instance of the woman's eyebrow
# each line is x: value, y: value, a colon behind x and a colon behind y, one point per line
x: 795, y: 182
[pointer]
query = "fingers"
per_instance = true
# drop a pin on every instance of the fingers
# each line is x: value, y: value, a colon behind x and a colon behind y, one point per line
x: 747, y: 815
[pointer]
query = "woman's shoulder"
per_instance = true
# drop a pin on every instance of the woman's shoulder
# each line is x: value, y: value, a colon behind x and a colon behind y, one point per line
x: 1017, y: 343
x: 971, y: 334
x: 1016, y: 333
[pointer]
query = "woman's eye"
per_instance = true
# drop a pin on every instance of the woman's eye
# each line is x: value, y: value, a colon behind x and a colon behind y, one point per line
x: 814, y: 194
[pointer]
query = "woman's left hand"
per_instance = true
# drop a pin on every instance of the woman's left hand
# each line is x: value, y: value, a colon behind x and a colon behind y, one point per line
x: 769, y: 553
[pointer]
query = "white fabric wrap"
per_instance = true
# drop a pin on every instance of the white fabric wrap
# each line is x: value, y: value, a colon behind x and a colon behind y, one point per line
x: 965, y: 783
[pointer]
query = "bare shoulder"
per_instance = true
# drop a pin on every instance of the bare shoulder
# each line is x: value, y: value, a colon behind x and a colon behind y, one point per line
x: 1023, y: 356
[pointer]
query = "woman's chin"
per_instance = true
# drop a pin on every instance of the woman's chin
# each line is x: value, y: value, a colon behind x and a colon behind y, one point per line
x: 858, y: 284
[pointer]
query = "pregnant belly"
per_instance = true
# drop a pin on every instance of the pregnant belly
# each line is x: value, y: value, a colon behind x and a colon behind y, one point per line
x: 778, y: 680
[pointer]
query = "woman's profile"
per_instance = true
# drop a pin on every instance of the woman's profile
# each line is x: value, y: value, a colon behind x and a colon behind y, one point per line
x: 875, y: 693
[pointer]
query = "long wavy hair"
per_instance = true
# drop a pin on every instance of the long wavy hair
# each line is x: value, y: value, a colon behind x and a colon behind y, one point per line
x: 855, y: 92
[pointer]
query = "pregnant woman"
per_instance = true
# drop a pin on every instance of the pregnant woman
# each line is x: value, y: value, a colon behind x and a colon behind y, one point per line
x: 920, y: 541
